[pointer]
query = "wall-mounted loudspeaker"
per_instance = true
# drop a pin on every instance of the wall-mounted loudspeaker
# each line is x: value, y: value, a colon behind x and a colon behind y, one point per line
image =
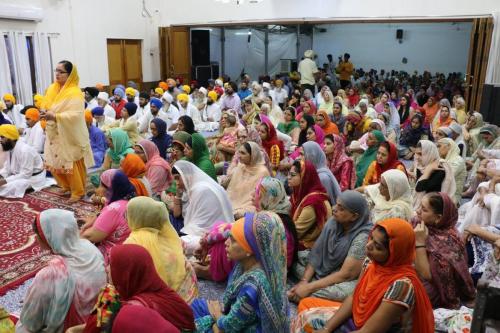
x: 399, y: 34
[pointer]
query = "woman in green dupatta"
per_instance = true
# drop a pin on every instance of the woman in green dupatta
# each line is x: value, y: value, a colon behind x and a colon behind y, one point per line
x: 119, y: 146
x: 290, y: 126
x: 197, y: 152
x: 375, y: 138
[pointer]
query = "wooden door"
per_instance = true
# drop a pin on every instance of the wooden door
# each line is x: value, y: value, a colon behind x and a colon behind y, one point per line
x: 175, y: 52
x: 124, y: 61
x: 479, y: 50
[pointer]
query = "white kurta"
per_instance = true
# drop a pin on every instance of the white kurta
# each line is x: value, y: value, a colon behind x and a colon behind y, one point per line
x: 190, y: 111
x: 15, y: 116
x: 35, y: 137
x: 109, y: 111
x: 22, y: 162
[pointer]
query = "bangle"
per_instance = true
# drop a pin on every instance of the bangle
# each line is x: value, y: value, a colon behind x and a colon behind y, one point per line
x: 419, y: 246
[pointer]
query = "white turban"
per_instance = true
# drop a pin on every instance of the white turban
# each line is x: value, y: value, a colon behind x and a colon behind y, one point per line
x: 203, y: 90
x: 103, y: 95
x: 309, y: 54
x: 166, y: 96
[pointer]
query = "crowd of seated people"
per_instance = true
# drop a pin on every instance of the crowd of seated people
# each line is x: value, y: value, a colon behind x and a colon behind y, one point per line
x: 345, y: 197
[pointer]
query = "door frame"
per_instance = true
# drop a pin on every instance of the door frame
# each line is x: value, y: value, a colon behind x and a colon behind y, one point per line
x: 124, y: 65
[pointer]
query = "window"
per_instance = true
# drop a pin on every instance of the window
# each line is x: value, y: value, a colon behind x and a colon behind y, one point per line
x: 31, y: 55
x: 8, y: 45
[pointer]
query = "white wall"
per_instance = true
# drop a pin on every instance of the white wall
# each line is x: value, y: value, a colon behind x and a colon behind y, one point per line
x: 441, y: 47
x: 84, y: 27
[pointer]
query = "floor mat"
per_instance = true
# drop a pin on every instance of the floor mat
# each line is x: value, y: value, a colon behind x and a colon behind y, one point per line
x: 20, y: 255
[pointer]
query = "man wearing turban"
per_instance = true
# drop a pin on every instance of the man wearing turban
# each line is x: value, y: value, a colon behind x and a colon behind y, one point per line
x: 23, y: 167
x: 12, y: 112
x: 155, y: 111
x: 103, y: 101
x: 91, y: 97
x: 119, y: 101
x: 308, y: 70
x: 97, y: 138
x: 188, y: 109
x: 34, y: 135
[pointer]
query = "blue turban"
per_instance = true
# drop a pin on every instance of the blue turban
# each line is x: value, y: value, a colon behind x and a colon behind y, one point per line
x: 131, y: 108
x: 98, y: 111
x: 120, y: 92
x: 156, y: 102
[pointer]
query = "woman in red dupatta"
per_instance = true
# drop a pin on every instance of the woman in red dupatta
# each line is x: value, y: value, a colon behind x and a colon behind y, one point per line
x: 341, y: 165
x: 133, y: 166
x: 387, y: 159
x: 136, y: 282
x: 389, y: 290
x: 441, y: 254
x: 270, y: 142
x: 310, y: 203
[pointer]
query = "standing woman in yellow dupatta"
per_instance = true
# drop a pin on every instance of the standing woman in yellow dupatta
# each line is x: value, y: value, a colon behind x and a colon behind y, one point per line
x: 67, y: 148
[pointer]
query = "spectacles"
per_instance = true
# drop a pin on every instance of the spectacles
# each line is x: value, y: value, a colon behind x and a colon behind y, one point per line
x: 59, y: 71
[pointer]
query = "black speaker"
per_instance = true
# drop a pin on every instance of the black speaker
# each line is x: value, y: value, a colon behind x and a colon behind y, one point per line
x: 215, y: 70
x: 202, y: 74
x: 399, y: 34
x: 487, y: 101
x: 494, y: 116
x: 200, y: 47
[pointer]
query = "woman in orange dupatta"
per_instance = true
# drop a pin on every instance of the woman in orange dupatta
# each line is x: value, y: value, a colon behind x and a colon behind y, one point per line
x: 67, y: 148
x: 389, y: 294
x: 135, y: 169
x: 324, y: 121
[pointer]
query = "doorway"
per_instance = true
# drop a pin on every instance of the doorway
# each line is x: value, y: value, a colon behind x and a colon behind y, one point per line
x: 124, y: 61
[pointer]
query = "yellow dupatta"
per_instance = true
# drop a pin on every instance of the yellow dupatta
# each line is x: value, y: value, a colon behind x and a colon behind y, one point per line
x: 150, y: 227
x: 67, y: 137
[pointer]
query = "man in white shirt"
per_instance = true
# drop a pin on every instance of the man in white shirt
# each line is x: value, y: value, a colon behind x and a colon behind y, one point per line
x: 307, y: 69
x: 23, y: 167
x: 91, y: 94
x: 188, y: 109
x: 212, y: 111
x: 279, y: 95
x: 34, y: 134
x: 103, y: 101
x: 155, y: 111
x: 100, y: 119
x: 143, y: 105
x: 12, y: 112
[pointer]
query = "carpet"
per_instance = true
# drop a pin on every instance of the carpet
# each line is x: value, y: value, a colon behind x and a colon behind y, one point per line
x: 20, y: 256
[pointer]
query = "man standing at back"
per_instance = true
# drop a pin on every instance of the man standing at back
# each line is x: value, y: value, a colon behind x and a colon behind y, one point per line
x: 345, y: 69
x: 308, y: 69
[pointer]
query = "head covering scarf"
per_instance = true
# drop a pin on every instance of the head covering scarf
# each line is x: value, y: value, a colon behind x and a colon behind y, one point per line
x: 333, y: 244
x: 368, y: 157
x: 34, y: 114
x: 339, y: 158
x: 392, y: 160
x: 121, y: 145
x: 37, y: 100
x: 411, y: 136
x: 207, y: 201
x: 265, y: 235
x: 137, y: 318
x: 150, y: 227
x: 74, y: 278
x: 120, y: 188
x: 377, y: 278
x: 97, y: 111
x: 243, y: 180
x: 154, y: 161
x: 156, y: 102
x: 399, y: 194
x: 88, y: 117
x: 270, y: 195
x: 163, y: 141
x: 133, y: 166
x: 135, y: 278
x: 303, y: 133
x: 201, y: 155
x: 451, y: 280
x: 314, y: 154
x: 320, y: 135
x: 181, y: 138
x: 272, y: 140
x: 309, y: 193
x: 453, y: 152
x: 379, y: 122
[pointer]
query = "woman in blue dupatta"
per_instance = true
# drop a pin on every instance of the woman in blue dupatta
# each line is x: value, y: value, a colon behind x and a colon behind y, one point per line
x: 255, y: 298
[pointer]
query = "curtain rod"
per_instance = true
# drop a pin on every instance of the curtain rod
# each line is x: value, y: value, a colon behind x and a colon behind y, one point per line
x: 51, y: 34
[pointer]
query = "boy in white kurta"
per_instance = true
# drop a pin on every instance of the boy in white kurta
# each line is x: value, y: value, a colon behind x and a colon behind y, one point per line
x: 23, y: 167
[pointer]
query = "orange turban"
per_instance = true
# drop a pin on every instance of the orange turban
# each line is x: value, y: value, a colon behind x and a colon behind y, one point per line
x: 88, y: 117
x: 32, y: 114
x: 163, y: 85
x: 10, y: 98
x: 238, y: 233
x: 100, y: 86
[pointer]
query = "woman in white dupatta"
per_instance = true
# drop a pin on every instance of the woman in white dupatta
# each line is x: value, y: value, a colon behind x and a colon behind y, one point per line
x: 449, y: 151
x: 391, y: 198
x: 431, y: 172
x: 63, y: 293
x: 202, y: 200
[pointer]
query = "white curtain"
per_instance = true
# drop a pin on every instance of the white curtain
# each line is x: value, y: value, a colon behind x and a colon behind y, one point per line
x: 493, y: 70
x: 22, y: 73
x: 43, y: 61
x: 5, y: 79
